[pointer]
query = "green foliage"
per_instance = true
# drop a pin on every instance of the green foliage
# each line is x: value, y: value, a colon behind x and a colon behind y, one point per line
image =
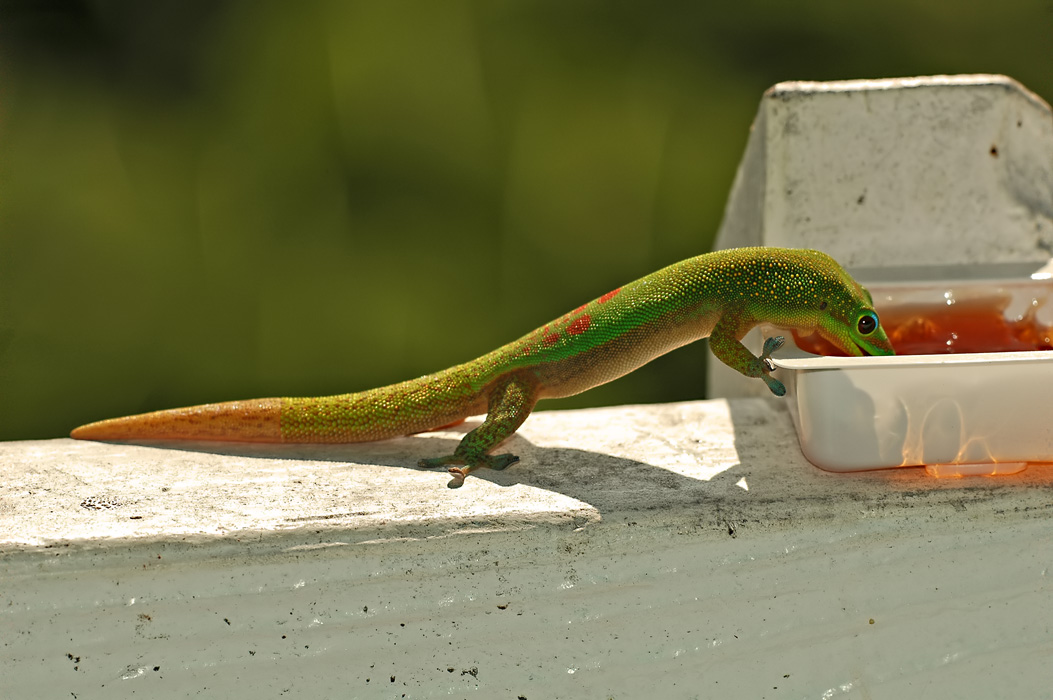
x: 203, y: 201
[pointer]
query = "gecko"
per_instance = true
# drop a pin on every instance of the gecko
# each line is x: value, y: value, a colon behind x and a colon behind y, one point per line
x: 719, y: 295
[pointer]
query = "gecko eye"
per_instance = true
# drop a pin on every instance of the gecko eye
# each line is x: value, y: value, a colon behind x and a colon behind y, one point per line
x: 867, y: 324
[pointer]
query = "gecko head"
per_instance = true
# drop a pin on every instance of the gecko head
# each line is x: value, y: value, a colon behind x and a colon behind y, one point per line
x: 848, y: 320
x: 817, y: 295
x: 859, y: 334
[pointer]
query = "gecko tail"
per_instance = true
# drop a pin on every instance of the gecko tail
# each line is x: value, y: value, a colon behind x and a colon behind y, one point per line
x: 256, y: 420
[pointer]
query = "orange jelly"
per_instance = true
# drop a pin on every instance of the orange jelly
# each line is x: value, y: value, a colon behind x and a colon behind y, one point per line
x: 972, y: 325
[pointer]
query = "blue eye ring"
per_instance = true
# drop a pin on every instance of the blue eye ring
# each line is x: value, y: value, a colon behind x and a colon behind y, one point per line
x: 867, y: 323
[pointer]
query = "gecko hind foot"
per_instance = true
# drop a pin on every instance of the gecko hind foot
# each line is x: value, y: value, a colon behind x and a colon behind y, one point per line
x: 495, y: 462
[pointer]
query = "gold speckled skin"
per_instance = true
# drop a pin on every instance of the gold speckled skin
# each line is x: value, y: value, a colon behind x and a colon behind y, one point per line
x: 721, y: 295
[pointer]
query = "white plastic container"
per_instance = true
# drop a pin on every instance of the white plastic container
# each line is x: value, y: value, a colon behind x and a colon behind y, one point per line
x: 958, y: 414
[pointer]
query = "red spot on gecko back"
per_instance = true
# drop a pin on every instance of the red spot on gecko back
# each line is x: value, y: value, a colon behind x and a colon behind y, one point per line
x: 578, y: 310
x: 550, y: 339
x: 609, y: 295
x: 580, y: 325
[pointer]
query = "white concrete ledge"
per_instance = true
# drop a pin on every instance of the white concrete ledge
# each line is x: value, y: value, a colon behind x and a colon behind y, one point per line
x: 678, y: 550
x: 716, y: 460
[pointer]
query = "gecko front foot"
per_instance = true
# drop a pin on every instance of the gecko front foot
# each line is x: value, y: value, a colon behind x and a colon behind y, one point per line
x: 771, y: 345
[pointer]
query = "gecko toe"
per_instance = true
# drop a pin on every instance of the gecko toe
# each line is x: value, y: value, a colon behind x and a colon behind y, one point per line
x: 777, y: 387
x: 772, y: 344
x: 436, y: 462
x: 499, y: 462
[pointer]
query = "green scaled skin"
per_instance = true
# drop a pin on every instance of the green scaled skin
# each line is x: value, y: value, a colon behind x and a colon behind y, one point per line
x: 719, y: 295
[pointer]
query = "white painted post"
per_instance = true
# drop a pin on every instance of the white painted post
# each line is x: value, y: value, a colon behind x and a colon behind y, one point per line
x: 940, y: 170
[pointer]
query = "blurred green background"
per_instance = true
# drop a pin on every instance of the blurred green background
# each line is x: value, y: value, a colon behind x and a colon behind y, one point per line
x: 202, y: 201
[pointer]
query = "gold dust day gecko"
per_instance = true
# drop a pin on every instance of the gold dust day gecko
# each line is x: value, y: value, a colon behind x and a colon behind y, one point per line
x: 720, y: 295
